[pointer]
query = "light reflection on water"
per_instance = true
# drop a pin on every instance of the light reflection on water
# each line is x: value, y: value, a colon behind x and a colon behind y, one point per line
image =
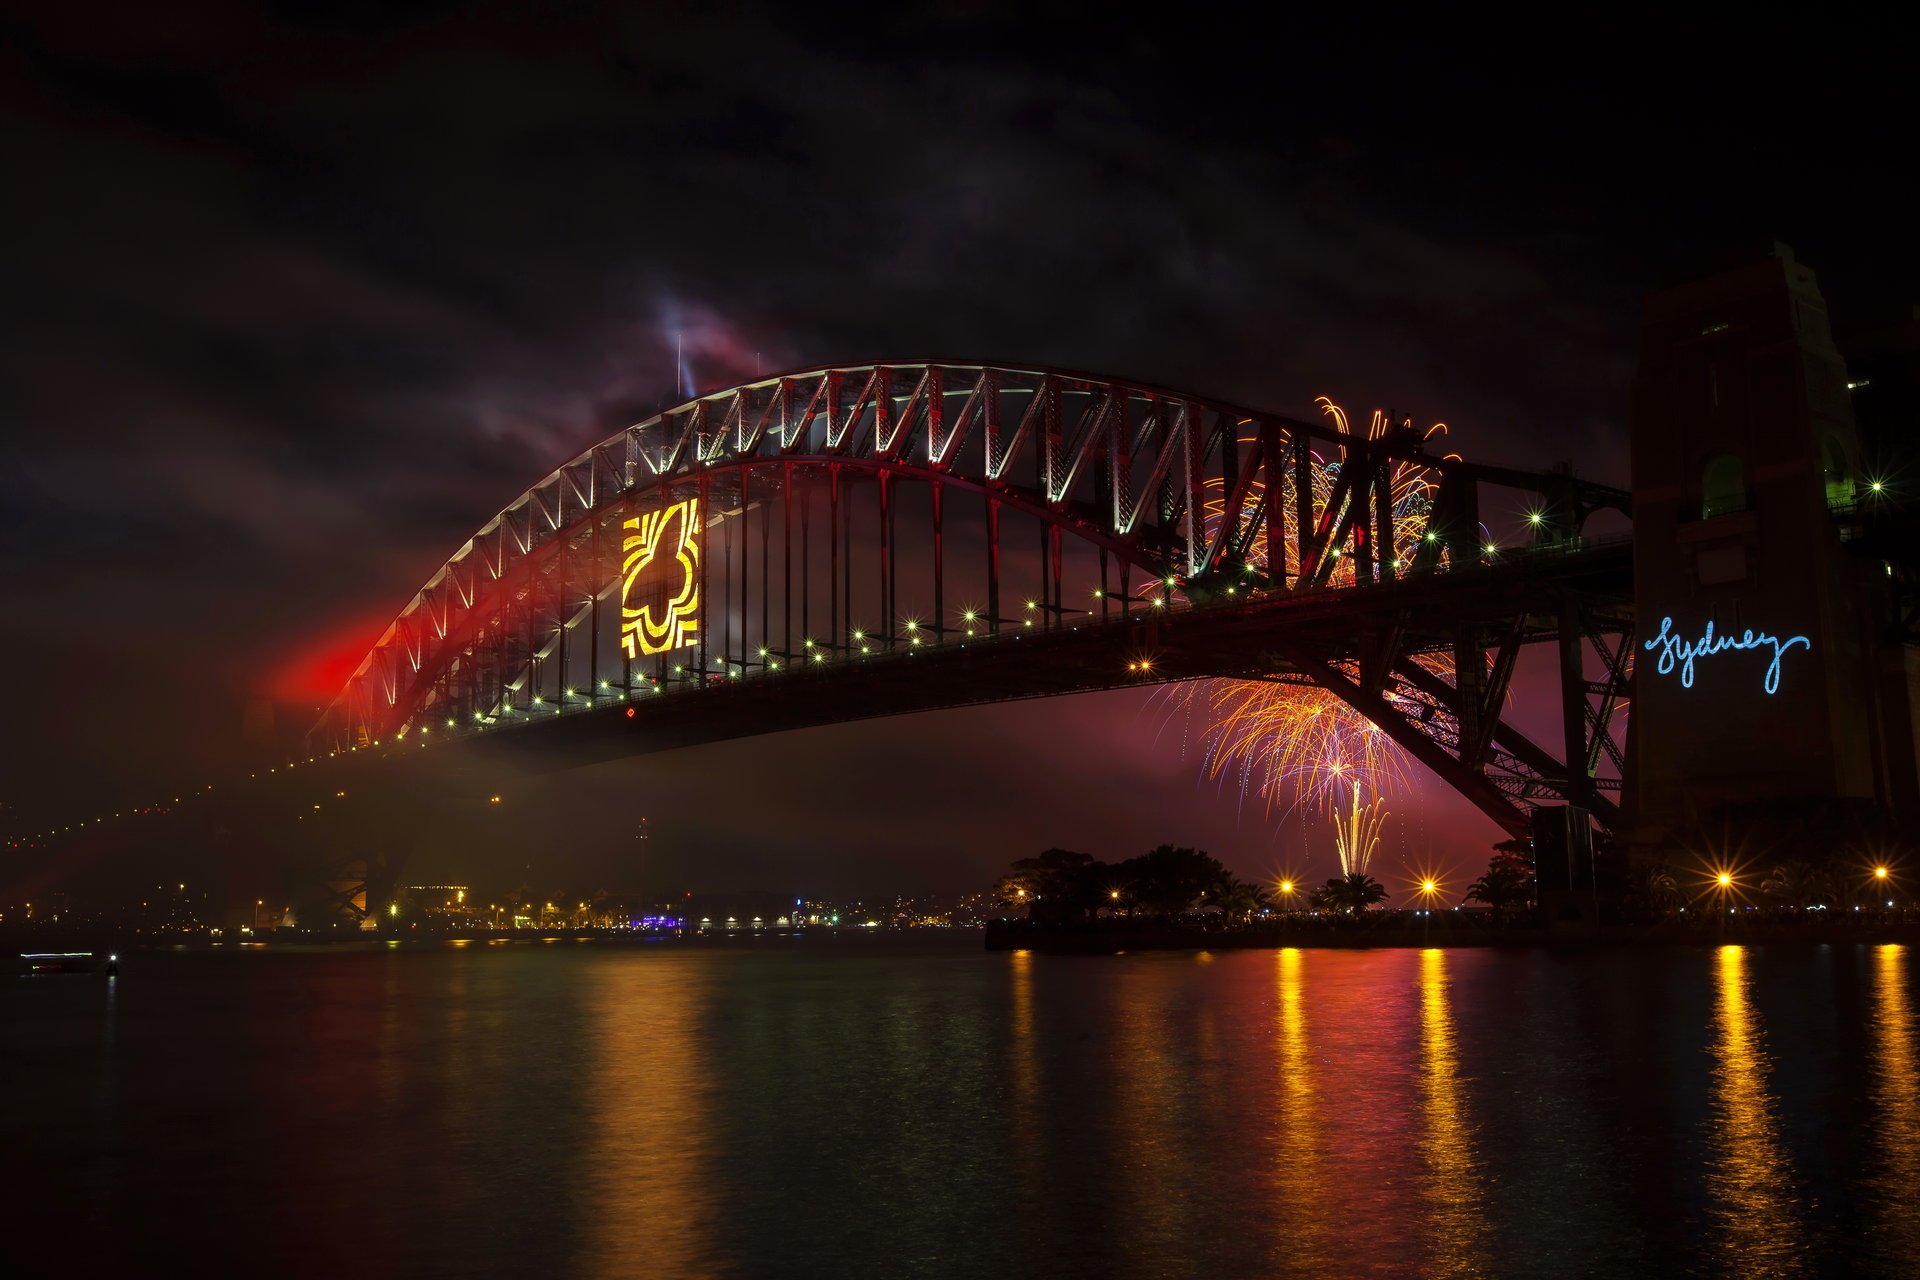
x: 936, y: 1110
x: 1757, y: 1204
x: 1299, y: 1174
x: 1458, y: 1232
x: 652, y: 1207
x: 1895, y: 1228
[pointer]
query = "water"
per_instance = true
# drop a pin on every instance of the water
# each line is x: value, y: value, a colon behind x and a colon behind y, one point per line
x: 809, y: 1109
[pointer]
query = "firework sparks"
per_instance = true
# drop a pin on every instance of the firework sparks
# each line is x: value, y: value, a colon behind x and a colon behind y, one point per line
x: 1356, y: 834
x: 1296, y: 741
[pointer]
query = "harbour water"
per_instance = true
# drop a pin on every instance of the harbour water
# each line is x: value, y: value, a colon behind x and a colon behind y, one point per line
x: 925, y: 1108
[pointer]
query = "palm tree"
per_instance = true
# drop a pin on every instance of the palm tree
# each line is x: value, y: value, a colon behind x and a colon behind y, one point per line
x: 1239, y: 900
x: 1352, y: 893
x: 1504, y: 885
x: 1662, y: 890
x: 1798, y: 884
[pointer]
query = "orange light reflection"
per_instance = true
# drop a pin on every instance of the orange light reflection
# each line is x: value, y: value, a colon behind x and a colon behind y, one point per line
x: 1758, y: 1205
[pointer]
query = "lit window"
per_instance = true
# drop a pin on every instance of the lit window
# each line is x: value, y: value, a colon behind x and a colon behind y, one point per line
x: 1836, y: 471
x: 1723, y: 486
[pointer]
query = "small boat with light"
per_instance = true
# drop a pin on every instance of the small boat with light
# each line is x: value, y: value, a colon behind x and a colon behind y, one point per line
x: 49, y: 963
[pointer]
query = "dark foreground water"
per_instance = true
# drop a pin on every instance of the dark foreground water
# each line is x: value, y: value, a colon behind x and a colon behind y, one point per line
x: 821, y: 1109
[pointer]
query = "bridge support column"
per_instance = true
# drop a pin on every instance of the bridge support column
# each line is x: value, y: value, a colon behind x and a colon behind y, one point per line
x: 1754, y: 700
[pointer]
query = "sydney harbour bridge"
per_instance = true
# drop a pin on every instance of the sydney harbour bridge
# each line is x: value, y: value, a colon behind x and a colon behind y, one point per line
x: 1727, y: 647
x: 877, y: 539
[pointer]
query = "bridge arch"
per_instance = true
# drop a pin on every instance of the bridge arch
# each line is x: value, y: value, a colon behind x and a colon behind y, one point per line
x: 1152, y: 503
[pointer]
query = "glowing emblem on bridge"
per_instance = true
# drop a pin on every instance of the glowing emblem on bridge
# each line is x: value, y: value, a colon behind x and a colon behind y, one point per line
x: 1677, y: 651
x: 660, y: 580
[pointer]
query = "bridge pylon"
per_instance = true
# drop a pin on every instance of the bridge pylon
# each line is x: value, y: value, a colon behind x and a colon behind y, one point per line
x: 1771, y: 712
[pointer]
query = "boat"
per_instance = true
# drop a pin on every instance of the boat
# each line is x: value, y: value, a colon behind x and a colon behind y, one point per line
x: 40, y: 963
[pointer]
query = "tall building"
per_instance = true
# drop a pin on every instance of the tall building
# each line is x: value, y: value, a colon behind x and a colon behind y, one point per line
x: 1769, y: 678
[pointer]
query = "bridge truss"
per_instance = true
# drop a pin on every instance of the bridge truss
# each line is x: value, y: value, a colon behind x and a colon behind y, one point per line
x: 783, y: 549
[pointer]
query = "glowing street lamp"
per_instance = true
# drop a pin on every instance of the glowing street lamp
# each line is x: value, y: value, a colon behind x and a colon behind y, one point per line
x: 1723, y: 886
x: 1428, y: 888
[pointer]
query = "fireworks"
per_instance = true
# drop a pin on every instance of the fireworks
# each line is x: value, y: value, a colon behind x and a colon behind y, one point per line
x: 1409, y: 485
x: 1297, y: 741
x: 1356, y: 834
x: 1292, y: 741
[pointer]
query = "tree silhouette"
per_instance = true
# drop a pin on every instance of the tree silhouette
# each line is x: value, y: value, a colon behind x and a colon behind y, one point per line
x: 1351, y: 894
x: 1058, y: 886
x: 1237, y: 899
x: 1508, y: 882
x: 1167, y: 880
x: 1799, y: 884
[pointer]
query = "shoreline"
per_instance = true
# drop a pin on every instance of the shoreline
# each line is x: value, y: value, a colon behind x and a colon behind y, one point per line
x: 1107, y: 938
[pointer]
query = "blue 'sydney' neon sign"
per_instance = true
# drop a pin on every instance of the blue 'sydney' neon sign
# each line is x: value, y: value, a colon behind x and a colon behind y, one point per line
x: 1678, y: 651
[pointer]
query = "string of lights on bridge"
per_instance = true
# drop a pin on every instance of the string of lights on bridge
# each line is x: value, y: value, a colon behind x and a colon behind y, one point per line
x: 971, y: 623
x: 913, y: 628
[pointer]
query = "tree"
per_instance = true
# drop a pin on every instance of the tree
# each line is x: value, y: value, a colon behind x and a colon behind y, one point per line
x: 1237, y: 899
x: 1351, y: 894
x: 1654, y: 889
x: 1799, y: 884
x: 1168, y: 880
x: 1057, y: 886
x: 1508, y: 882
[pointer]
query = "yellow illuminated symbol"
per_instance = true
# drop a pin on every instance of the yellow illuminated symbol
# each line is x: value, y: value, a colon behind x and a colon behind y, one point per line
x: 665, y: 538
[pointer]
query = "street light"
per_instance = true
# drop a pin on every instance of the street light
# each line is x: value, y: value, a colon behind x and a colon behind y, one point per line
x: 1723, y: 886
x: 1429, y: 887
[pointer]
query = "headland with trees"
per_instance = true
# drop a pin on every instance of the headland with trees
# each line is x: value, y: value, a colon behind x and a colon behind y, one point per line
x: 1179, y: 897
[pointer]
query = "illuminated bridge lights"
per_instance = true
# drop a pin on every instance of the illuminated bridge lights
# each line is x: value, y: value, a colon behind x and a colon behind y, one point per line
x: 661, y: 564
x: 525, y: 605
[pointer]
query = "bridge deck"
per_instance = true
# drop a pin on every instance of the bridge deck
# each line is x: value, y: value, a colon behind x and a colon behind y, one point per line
x: 1223, y: 640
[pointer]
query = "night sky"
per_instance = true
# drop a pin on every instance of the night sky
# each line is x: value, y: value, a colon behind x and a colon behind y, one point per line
x: 295, y: 299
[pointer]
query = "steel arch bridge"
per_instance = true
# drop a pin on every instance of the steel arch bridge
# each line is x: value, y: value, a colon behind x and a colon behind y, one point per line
x: 735, y: 564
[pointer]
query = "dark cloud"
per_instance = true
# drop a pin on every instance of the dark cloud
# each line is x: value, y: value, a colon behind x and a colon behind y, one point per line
x: 295, y: 298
